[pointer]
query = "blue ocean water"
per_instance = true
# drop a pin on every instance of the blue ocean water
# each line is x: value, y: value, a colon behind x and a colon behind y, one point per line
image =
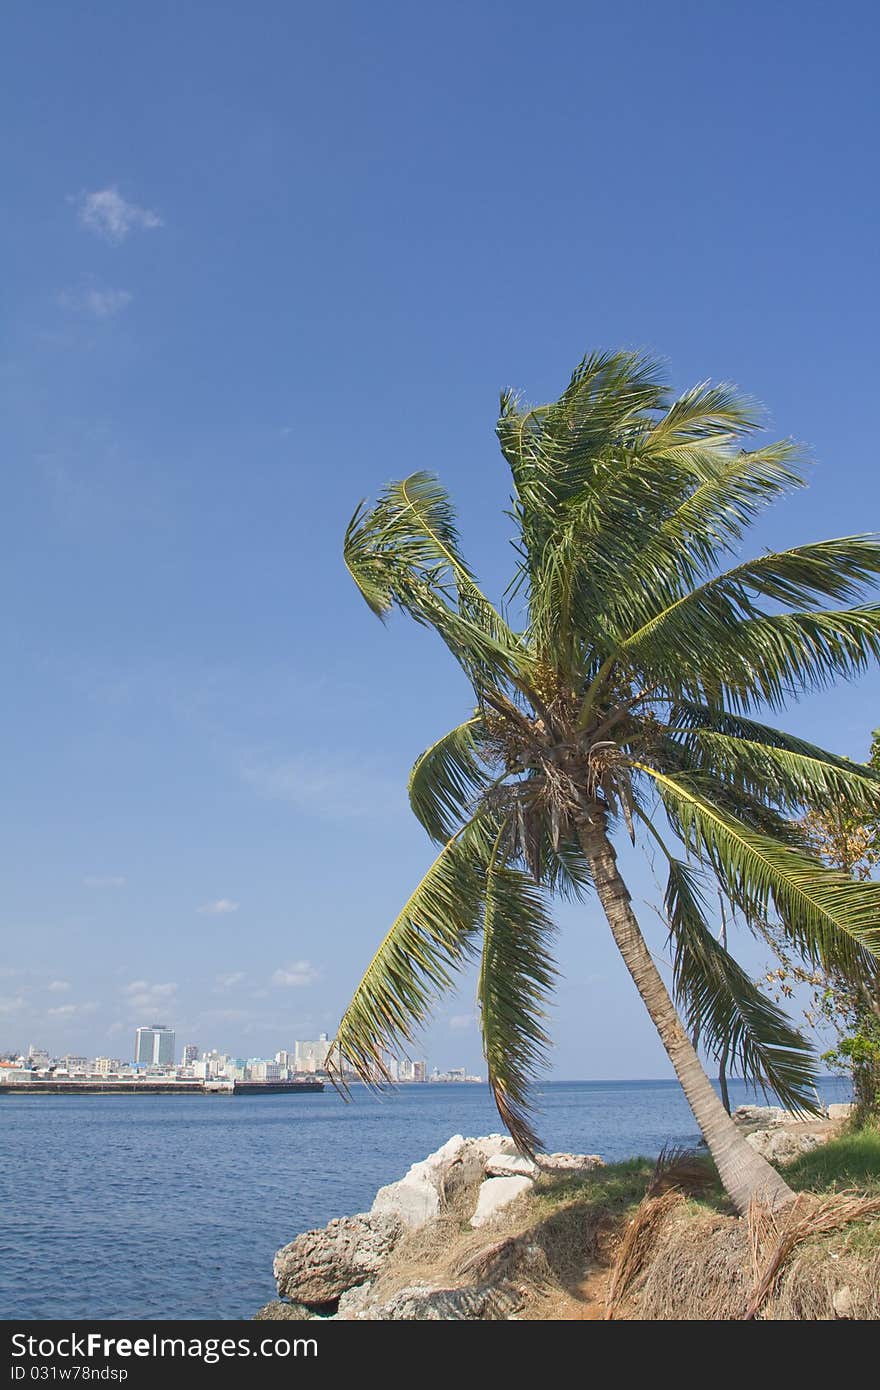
x: 155, y: 1207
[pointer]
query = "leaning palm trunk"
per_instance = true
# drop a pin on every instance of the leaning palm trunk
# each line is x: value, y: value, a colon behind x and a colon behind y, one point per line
x: 620, y: 695
x: 745, y: 1174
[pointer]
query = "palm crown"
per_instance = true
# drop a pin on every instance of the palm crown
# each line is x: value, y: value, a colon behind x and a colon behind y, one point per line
x: 618, y: 689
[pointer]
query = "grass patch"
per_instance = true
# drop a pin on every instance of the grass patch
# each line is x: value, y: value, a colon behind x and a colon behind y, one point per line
x: 616, y: 1187
x: 851, y: 1160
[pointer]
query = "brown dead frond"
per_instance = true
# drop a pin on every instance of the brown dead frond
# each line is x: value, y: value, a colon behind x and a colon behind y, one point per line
x: 637, y: 1244
x: 773, y: 1236
x: 679, y: 1169
x: 488, y: 1259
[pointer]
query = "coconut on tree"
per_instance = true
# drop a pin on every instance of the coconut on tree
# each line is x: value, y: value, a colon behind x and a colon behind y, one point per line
x: 619, y: 690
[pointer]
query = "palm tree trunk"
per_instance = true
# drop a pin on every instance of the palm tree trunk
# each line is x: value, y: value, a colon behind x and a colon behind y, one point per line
x: 745, y: 1174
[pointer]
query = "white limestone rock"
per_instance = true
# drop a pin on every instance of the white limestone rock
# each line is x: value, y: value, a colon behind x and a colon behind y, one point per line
x: 422, y: 1193
x: 840, y: 1111
x: 781, y: 1144
x: 568, y: 1163
x: 513, y: 1165
x: 497, y: 1193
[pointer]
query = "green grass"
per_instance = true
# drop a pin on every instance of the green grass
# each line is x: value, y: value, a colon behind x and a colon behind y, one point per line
x: 852, y: 1160
x: 618, y: 1187
x: 615, y: 1187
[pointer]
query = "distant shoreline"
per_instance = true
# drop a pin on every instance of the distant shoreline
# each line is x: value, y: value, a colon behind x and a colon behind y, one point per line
x: 158, y: 1088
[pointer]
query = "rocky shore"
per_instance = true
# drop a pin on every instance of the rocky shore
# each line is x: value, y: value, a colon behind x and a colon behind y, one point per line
x: 459, y: 1236
x: 337, y: 1271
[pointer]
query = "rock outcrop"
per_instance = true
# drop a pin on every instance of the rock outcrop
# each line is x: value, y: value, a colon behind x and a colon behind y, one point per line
x: 782, y: 1144
x: 497, y: 1193
x: 430, y: 1185
x: 319, y: 1266
x: 333, y: 1272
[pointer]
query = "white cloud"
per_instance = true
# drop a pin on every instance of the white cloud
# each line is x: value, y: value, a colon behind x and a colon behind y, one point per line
x: 297, y: 975
x: 458, y: 1022
x: 59, y: 986
x: 106, y: 213
x: 325, y: 786
x: 227, y: 981
x: 219, y: 908
x: 104, y: 881
x: 99, y: 303
x: 71, y: 1010
x: 144, y: 998
x: 12, y: 1005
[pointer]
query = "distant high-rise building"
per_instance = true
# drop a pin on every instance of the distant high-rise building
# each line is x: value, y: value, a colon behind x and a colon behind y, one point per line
x: 190, y: 1053
x: 412, y: 1071
x: 38, y: 1056
x: 312, y: 1056
x: 154, y: 1046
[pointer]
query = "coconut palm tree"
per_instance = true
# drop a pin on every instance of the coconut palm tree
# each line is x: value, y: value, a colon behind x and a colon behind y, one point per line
x: 617, y: 691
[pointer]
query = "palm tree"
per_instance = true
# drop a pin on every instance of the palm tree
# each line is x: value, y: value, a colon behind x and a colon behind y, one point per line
x: 614, y: 693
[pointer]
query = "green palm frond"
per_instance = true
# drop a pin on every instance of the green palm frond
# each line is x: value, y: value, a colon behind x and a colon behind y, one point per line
x: 831, y: 918
x: 657, y: 566
x: 726, y: 1009
x: 427, y: 944
x: 446, y: 778
x: 835, y: 569
x: 714, y: 412
x: 516, y: 975
x: 404, y: 551
x: 769, y: 659
x: 793, y: 779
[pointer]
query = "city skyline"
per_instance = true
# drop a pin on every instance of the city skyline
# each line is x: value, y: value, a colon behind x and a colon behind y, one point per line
x: 154, y: 1050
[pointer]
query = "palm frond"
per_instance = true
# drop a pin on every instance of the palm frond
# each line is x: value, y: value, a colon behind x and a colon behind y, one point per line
x: 426, y: 945
x: 722, y: 659
x: 404, y: 551
x: 726, y: 1009
x: 445, y: 780
x: 516, y: 975
x: 835, y: 569
x: 798, y: 780
x: 832, y: 919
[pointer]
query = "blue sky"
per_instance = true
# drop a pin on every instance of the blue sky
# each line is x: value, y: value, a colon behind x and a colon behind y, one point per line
x: 260, y: 259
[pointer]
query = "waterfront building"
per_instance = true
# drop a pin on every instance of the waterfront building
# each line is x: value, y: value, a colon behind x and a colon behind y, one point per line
x: 258, y: 1070
x: 103, y: 1066
x: 38, y: 1056
x: 311, y: 1057
x: 412, y: 1071
x: 190, y: 1053
x: 73, y: 1064
x: 154, y: 1046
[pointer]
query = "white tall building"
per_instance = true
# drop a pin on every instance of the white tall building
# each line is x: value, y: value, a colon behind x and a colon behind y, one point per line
x: 312, y: 1056
x: 154, y: 1046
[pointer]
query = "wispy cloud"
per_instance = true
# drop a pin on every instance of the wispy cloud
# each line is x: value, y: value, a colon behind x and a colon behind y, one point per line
x: 297, y: 975
x: 229, y: 981
x: 58, y: 986
x: 97, y: 302
x: 325, y: 786
x: 71, y: 1010
x: 110, y: 216
x: 459, y: 1022
x: 219, y: 908
x: 141, y: 997
x: 12, y: 1004
x: 104, y: 881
